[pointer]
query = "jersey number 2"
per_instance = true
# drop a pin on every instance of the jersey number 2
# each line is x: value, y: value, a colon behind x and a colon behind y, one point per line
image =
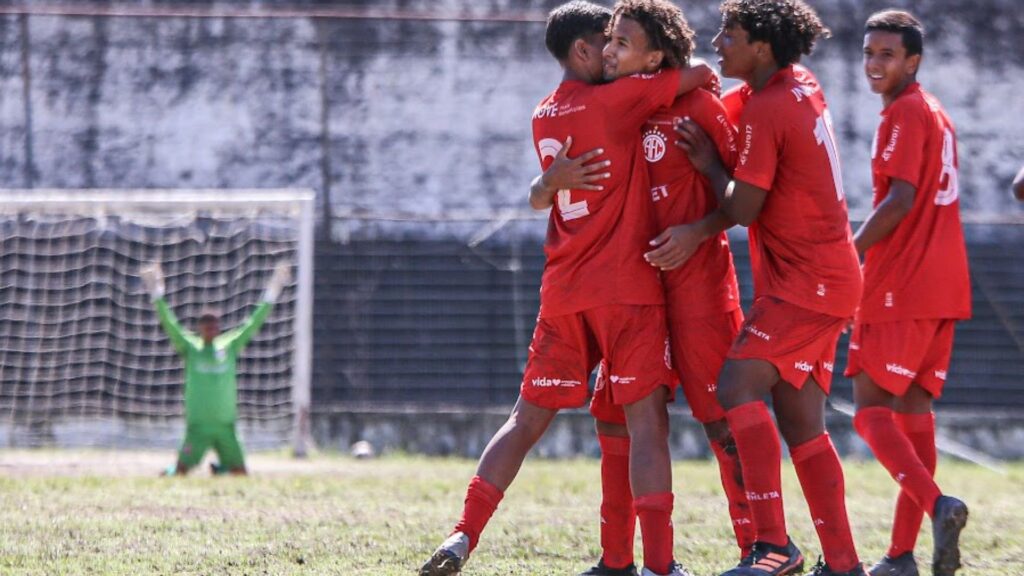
x: 549, y: 148
x: 823, y: 134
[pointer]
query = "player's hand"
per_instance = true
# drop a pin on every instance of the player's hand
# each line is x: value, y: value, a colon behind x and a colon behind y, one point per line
x: 697, y: 145
x: 575, y: 173
x: 714, y: 83
x: 152, y: 276
x: 674, y: 246
x: 282, y: 276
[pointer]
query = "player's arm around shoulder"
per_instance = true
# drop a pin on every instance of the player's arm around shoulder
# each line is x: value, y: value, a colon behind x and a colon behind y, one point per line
x: 565, y: 173
x: 711, y: 115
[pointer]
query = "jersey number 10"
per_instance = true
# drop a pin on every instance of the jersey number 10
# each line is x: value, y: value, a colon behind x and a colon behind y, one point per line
x: 823, y: 134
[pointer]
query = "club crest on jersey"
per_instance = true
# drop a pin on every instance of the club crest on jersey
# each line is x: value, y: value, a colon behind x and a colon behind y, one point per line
x: 221, y: 355
x: 654, y: 145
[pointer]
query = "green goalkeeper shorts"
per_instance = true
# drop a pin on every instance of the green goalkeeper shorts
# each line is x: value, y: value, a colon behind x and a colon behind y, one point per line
x: 220, y: 437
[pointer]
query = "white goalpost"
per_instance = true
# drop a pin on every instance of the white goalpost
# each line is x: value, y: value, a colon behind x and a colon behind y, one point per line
x: 83, y: 359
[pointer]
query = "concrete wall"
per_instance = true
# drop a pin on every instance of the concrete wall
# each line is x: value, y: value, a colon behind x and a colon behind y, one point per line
x: 418, y: 116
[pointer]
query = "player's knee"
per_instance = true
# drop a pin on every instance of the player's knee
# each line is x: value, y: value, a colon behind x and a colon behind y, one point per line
x: 647, y: 419
x: 718, y: 432
x: 796, y: 431
x: 611, y: 429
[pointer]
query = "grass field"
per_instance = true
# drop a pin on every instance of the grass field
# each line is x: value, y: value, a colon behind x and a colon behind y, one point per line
x: 106, y: 513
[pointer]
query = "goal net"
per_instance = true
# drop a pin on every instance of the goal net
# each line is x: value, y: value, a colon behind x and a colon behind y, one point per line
x: 83, y: 358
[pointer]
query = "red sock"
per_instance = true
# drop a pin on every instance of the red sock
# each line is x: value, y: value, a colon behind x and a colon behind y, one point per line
x: 732, y: 481
x: 482, y: 499
x: 618, y: 518
x: 893, y: 449
x: 821, y: 477
x: 906, y: 524
x: 760, y: 453
x: 655, y: 512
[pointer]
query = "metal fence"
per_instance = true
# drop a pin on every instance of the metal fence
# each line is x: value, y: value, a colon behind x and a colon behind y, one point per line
x: 441, y: 315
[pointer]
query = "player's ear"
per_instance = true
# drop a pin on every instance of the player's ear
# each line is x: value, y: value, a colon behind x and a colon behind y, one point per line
x: 763, y: 50
x: 580, y: 49
x: 655, y: 59
x: 913, y: 63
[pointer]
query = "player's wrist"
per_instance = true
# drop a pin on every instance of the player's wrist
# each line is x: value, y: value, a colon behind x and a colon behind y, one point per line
x: 271, y: 294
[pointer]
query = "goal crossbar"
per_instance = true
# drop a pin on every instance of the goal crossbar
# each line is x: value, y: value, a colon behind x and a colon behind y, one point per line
x: 111, y: 200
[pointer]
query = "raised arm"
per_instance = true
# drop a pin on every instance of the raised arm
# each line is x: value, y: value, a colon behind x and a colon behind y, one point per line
x: 153, y: 279
x: 239, y: 337
x: 566, y: 173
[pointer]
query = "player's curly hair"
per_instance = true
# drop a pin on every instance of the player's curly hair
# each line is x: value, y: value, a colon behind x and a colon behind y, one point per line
x: 571, y: 21
x: 900, y: 22
x: 666, y: 27
x: 791, y: 27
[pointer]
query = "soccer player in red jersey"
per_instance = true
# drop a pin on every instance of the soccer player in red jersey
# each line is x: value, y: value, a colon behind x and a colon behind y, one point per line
x: 599, y: 298
x: 701, y: 292
x: 916, y: 287
x: 807, y: 282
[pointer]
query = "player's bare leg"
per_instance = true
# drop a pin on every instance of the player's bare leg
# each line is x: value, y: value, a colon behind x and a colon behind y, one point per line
x: 650, y: 475
x: 507, y: 450
x: 908, y: 453
x: 498, y: 467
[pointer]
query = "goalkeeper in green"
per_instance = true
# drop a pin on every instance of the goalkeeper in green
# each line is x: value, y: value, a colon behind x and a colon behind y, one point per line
x: 211, y: 395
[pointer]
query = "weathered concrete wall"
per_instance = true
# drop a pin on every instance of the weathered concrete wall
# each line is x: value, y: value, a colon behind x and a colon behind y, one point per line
x: 425, y: 117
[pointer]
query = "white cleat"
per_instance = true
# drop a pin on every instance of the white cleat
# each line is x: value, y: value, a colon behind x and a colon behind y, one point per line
x: 677, y: 570
x: 449, y: 558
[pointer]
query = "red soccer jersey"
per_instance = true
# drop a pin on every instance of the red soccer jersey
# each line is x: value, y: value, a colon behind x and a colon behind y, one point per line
x: 706, y: 283
x: 918, y: 271
x: 596, y: 239
x: 736, y: 97
x: 801, y: 248
x: 734, y: 100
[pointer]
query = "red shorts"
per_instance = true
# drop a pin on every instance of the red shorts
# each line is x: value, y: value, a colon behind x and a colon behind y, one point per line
x: 565, y: 349
x: 896, y: 354
x: 699, y: 346
x: 797, y: 341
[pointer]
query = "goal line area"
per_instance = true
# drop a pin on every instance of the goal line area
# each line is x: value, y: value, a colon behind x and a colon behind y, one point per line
x: 83, y: 358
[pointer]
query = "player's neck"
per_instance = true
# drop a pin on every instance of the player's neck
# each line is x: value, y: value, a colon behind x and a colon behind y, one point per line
x: 891, y: 96
x: 760, y: 76
x: 571, y: 75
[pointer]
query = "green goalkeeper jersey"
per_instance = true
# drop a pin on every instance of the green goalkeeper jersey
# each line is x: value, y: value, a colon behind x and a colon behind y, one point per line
x: 211, y: 394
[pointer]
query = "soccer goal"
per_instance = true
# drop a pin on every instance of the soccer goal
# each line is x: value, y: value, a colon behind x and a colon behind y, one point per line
x: 83, y: 359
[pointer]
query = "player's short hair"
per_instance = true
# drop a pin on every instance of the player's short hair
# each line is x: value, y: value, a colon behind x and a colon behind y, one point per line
x: 900, y: 22
x: 791, y: 27
x: 571, y: 21
x: 666, y: 27
x: 209, y: 315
